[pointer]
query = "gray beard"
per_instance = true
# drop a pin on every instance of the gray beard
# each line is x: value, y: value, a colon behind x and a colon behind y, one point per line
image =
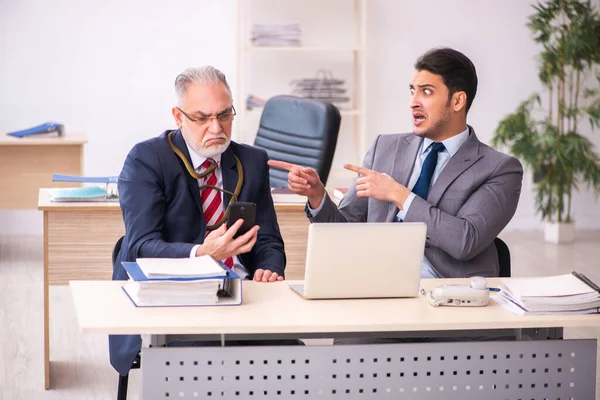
x: 213, y: 151
x: 207, y: 152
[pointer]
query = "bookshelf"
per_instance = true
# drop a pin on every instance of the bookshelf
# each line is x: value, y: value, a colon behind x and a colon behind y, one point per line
x: 333, y: 38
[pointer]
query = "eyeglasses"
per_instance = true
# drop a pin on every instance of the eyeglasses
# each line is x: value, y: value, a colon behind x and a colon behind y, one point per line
x: 221, y: 118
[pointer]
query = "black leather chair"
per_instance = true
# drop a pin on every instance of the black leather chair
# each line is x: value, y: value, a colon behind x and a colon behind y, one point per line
x: 299, y: 131
x: 123, y: 379
x: 503, y: 257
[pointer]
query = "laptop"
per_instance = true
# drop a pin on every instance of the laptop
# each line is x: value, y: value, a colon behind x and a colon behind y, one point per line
x: 363, y: 260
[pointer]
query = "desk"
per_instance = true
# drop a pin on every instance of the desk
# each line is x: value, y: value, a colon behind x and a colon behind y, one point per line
x: 28, y: 164
x: 274, y: 310
x: 79, y: 239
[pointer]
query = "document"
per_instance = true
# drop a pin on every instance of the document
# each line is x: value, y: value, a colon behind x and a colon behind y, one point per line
x: 191, y: 267
x: 562, y: 294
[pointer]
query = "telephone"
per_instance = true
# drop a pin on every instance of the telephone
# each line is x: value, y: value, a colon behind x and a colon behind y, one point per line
x: 475, y: 295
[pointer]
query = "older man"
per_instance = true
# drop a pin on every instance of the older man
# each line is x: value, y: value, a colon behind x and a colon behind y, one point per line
x: 174, y: 190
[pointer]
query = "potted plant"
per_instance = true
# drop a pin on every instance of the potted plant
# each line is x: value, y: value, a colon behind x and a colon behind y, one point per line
x: 545, y: 132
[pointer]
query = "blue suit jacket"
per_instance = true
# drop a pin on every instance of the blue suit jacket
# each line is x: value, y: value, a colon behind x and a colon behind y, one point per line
x: 163, y: 214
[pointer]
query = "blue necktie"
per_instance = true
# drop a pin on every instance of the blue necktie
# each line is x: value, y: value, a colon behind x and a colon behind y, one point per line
x: 421, y: 188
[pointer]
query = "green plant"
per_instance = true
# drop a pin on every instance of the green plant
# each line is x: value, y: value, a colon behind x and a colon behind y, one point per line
x: 552, y: 145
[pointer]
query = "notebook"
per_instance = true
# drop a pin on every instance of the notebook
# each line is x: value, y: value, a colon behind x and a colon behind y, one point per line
x: 363, y: 260
x: 571, y: 293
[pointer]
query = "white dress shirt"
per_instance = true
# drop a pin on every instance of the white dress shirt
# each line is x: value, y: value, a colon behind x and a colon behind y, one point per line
x: 451, y: 145
x: 197, y: 161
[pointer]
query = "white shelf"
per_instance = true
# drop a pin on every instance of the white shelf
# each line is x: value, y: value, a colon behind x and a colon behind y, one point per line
x: 342, y: 52
x: 343, y: 111
x: 300, y: 49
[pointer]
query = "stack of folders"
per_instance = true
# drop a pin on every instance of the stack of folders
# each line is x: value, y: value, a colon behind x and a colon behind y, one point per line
x: 87, y: 193
x: 171, y: 282
x: 564, y: 294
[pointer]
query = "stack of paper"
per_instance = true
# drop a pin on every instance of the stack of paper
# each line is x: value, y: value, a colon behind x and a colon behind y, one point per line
x: 564, y: 294
x: 276, y: 35
x: 177, y: 281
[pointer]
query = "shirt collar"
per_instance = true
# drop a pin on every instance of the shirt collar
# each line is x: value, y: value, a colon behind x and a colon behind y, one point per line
x: 198, y: 160
x: 452, y: 144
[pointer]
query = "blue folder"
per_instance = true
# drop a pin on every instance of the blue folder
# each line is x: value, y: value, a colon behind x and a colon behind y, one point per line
x: 40, y: 130
x: 135, y: 272
x: 85, y: 179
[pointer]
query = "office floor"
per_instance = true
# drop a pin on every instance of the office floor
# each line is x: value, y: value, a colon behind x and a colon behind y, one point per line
x: 80, y: 367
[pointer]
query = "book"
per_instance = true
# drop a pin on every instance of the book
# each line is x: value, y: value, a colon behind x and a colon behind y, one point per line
x: 87, y: 193
x: 285, y: 195
x: 563, y: 294
x: 183, y: 286
x: 338, y: 193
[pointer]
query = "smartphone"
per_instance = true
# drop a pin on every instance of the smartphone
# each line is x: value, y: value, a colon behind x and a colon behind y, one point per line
x: 245, y: 211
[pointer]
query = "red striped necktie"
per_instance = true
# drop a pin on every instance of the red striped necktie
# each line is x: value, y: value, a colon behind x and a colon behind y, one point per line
x: 212, y: 205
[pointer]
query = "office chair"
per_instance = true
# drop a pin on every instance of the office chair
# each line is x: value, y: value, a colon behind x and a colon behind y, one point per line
x: 123, y: 379
x: 503, y: 257
x: 299, y: 131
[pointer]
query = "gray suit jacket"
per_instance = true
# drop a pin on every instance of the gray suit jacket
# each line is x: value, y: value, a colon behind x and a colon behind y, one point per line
x: 473, y: 199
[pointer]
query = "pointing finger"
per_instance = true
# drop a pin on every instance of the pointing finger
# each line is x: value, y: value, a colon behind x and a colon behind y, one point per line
x: 281, y: 164
x: 357, y: 169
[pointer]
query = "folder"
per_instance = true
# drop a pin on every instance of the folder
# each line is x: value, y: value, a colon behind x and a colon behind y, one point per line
x: 49, y: 129
x: 87, y: 193
x: 84, y: 179
x: 183, y: 291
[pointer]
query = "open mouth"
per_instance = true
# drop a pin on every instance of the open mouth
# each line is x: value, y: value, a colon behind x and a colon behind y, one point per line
x: 418, y: 118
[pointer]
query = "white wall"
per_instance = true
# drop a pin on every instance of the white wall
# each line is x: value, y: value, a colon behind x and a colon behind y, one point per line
x: 107, y: 69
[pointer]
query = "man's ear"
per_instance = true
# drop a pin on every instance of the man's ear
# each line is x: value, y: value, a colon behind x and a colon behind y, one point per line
x: 178, y: 117
x: 459, y: 101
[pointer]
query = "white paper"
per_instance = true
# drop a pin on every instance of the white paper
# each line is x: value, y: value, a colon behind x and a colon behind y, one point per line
x: 562, y: 285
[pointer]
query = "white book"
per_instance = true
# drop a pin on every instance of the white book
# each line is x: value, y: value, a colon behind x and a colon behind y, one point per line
x: 196, y: 267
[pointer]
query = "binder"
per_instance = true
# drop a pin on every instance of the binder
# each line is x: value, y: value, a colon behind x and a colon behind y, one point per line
x: 228, y: 292
x: 49, y: 129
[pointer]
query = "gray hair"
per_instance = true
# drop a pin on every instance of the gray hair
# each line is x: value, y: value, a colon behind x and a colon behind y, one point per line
x: 204, y: 75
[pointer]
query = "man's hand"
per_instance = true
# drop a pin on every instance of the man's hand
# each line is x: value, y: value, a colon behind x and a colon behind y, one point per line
x: 303, y: 181
x: 379, y: 186
x: 220, y: 243
x: 264, y: 275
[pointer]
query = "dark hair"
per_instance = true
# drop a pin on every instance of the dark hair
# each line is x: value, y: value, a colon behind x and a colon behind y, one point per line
x: 456, y: 70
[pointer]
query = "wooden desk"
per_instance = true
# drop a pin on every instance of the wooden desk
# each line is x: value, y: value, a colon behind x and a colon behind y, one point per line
x: 79, y: 239
x: 28, y: 164
x: 273, y: 309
